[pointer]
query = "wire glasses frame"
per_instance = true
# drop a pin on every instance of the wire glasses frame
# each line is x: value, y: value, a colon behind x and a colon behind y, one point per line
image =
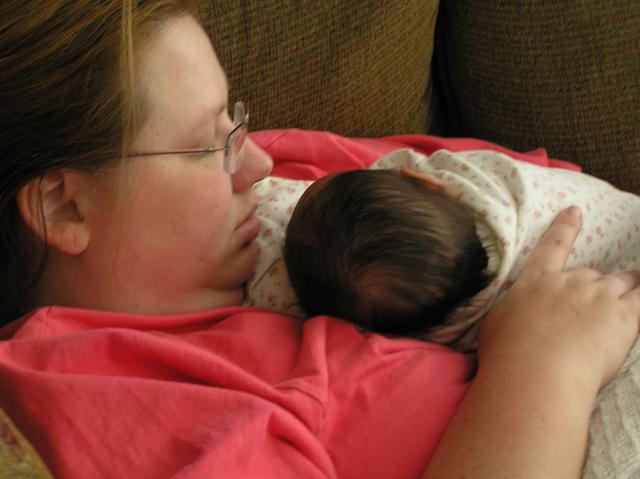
x: 232, y: 146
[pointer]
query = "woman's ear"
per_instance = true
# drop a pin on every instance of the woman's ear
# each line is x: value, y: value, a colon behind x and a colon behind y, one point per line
x: 49, y: 207
x: 430, y: 182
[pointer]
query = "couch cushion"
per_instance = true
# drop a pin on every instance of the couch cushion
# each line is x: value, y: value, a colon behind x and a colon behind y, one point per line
x: 18, y: 459
x: 354, y: 68
x: 563, y: 75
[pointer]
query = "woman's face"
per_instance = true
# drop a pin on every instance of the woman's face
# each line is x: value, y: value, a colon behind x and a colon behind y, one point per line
x: 182, y: 238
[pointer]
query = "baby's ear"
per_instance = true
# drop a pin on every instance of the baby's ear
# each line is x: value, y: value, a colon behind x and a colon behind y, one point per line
x: 49, y: 207
x: 430, y: 182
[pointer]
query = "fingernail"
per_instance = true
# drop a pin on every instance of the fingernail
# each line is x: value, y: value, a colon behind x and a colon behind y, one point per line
x: 574, y: 211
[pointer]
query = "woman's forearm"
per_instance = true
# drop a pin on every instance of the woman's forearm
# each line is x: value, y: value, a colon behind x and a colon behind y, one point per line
x: 518, y: 421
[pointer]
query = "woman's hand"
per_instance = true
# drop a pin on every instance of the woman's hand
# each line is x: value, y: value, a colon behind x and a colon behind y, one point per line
x: 580, y: 318
x: 545, y: 350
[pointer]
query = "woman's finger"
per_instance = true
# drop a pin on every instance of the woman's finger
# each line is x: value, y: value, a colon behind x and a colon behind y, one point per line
x: 625, y: 281
x: 552, y: 251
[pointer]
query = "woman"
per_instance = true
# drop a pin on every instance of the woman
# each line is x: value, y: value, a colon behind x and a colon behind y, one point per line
x: 132, y: 250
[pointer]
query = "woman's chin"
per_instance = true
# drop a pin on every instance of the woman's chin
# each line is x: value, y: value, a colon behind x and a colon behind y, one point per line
x: 227, y: 287
x: 243, y: 265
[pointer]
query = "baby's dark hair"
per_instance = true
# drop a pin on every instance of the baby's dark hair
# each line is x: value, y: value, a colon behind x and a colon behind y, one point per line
x: 379, y: 249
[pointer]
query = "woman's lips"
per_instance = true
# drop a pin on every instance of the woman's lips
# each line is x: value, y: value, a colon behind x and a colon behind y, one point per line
x: 248, y: 230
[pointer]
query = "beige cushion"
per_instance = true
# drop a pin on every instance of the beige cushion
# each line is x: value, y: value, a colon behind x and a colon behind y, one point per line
x: 354, y: 68
x: 563, y: 75
x: 18, y: 460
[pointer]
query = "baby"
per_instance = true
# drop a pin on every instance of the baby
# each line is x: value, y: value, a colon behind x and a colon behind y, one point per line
x: 427, y: 251
x: 385, y: 249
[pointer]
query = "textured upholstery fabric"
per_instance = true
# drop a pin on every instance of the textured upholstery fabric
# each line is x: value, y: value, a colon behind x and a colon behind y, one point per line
x: 563, y: 75
x: 18, y: 460
x: 354, y: 68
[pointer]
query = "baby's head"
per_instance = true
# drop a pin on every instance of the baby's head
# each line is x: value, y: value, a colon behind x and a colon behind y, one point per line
x: 380, y: 249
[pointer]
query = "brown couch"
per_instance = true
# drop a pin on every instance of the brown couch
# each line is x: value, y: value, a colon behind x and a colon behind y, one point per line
x: 563, y: 75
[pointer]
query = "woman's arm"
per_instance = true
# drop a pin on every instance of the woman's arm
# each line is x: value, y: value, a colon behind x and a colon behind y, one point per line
x: 545, y: 350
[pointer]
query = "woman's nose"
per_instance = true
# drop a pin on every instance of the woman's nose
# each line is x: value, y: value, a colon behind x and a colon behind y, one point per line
x: 256, y: 164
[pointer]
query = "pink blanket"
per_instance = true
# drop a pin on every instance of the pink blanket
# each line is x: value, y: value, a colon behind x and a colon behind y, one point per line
x: 301, y: 154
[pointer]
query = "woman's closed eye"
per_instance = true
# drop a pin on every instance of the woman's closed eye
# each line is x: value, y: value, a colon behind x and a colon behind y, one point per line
x: 223, y: 126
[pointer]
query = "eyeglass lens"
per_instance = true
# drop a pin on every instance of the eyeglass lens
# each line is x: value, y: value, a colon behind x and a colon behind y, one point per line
x: 236, y: 139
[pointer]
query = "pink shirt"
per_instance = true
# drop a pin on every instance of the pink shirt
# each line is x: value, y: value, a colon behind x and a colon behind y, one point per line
x: 236, y: 392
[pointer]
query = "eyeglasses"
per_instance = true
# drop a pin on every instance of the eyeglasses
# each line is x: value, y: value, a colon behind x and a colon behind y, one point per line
x: 232, y: 146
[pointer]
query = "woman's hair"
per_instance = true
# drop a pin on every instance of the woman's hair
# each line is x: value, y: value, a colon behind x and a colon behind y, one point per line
x: 379, y: 249
x: 68, y: 96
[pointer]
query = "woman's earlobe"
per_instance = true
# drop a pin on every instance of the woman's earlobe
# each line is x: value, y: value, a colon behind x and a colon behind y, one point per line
x: 48, y: 206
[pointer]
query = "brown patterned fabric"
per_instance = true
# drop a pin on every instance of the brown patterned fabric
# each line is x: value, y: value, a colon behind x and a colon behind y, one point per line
x: 354, y: 68
x: 563, y: 75
x: 18, y: 460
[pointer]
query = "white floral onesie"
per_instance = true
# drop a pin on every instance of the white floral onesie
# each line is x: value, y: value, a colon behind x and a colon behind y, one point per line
x: 513, y: 203
x: 270, y: 287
